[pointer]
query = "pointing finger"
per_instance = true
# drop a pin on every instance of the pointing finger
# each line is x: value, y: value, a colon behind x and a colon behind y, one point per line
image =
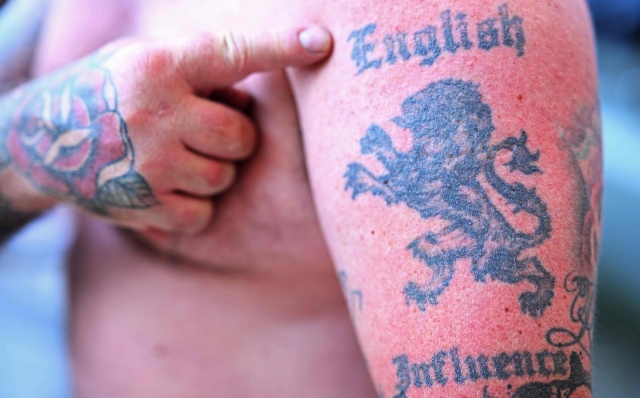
x: 211, y: 61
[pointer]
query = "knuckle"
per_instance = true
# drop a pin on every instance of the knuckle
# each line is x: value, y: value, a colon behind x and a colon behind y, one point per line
x: 219, y: 176
x: 201, y: 42
x: 236, y: 132
x: 198, y: 54
x: 155, y: 61
x: 234, y: 50
x: 244, y: 139
x: 156, y: 159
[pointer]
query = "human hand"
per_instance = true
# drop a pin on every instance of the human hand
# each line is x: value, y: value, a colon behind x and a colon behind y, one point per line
x: 132, y: 134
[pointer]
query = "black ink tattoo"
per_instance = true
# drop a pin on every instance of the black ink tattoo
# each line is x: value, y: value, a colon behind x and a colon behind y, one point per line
x: 582, y: 139
x: 433, y: 41
x: 361, y: 49
x: 352, y: 296
x: 560, y: 388
x: 581, y: 313
x: 19, y: 34
x: 447, y: 367
x: 441, y: 177
x: 67, y: 136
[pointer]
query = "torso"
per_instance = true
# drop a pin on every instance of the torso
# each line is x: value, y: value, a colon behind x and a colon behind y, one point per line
x: 251, y: 307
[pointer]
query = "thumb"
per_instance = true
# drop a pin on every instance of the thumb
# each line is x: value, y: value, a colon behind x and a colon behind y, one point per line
x: 211, y: 61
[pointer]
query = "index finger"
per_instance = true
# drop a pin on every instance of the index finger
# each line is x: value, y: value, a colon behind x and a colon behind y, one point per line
x: 210, y: 61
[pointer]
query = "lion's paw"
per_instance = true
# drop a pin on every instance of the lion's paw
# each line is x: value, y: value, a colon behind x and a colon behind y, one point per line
x: 535, y: 304
x: 420, y: 296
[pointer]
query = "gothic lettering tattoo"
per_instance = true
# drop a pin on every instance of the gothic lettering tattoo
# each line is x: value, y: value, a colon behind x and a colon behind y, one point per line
x: 559, y: 388
x: 450, y: 366
x: 69, y: 139
x: 444, y: 177
x: 352, y: 296
x: 427, y: 45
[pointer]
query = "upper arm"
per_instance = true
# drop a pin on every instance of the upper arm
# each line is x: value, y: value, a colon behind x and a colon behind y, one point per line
x: 454, y: 153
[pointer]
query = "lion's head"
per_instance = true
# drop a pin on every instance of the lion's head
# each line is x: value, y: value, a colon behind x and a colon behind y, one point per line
x: 450, y: 124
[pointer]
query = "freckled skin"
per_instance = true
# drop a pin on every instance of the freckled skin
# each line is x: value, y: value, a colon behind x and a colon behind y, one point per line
x: 262, y: 313
x: 254, y: 309
x: 529, y: 93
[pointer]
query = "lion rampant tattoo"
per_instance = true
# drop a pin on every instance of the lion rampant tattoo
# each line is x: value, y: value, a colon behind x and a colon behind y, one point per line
x: 442, y: 177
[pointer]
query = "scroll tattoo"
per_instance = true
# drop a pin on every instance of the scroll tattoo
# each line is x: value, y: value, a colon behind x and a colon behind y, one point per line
x: 441, y: 177
x: 582, y: 140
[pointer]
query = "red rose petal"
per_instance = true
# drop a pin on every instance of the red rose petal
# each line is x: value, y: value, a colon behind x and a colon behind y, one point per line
x: 43, y: 145
x: 19, y: 155
x: 108, y: 147
x: 76, y: 158
x: 41, y: 177
x: 106, y: 128
x: 79, y: 113
x: 86, y: 186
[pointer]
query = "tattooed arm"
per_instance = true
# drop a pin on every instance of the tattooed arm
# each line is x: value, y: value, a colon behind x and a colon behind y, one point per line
x: 132, y: 134
x: 454, y: 153
x: 20, y: 23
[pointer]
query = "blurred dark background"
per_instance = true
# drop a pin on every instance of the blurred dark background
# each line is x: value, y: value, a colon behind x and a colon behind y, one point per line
x: 33, y: 362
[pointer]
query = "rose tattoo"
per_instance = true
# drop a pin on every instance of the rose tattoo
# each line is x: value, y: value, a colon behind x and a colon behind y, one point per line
x: 71, y: 141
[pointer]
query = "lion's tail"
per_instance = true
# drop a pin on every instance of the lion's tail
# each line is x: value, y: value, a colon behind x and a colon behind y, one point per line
x: 523, y: 199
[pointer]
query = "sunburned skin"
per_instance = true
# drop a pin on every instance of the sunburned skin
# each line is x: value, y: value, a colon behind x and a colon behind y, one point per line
x: 145, y: 132
x: 450, y: 196
x: 256, y: 311
x: 466, y: 251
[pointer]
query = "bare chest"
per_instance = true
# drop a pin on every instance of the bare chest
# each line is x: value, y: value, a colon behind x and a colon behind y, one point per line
x: 267, y: 219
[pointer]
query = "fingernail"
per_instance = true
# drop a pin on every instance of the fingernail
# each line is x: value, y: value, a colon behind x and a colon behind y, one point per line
x: 315, y: 40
